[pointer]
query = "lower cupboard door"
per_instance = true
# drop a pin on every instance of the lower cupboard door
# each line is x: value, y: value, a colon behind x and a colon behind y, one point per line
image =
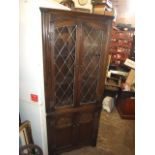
x: 88, y: 123
x: 85, y: 132
x: 63, y: 137
x: 60, y: 133
x: 86, y: 128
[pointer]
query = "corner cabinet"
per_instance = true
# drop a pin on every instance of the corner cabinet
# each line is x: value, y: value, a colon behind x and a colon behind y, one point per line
x: 74, y: 57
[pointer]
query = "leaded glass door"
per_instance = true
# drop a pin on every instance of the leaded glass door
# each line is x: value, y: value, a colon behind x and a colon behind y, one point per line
x: 93, y: 44
x: 64, y: 64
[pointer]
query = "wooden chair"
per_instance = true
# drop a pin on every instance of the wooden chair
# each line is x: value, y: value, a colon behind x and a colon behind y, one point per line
x: 27, y: 147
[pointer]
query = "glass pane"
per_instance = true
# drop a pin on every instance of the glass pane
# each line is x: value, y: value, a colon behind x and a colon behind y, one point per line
x: 64, y: 53
x: 90, y: 63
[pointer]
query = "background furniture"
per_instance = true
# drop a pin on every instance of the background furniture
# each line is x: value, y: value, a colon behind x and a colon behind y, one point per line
x: 75, y: 48
x: 121, y: 46
x: 30, y: 149
x: 25, y: 134
x: 125, y: 104
x: 26, y: 141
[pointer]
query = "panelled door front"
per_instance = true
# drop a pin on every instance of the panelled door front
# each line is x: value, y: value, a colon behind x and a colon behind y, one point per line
x: 91, y: 60
x: 62, y: 129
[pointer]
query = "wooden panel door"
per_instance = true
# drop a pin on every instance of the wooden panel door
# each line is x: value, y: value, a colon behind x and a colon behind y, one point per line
x: 85, y: 124
x: 60, y: 130
x: 62, y: 133
x: 92, y: 66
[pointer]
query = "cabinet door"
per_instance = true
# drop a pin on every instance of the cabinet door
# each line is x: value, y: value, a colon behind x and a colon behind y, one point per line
x: 60, y: 130
x: 87, y: 123
x: 59, y: 62
x: 64, y: 63
x: 92, y: 62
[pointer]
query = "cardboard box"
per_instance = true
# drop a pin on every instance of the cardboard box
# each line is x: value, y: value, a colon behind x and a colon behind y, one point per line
x: 129, y: 63
x: 131, y: 78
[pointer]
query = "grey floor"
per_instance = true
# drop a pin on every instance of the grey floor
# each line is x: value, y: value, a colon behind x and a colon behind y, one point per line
x: 88, y: 151
x: 116, y: 134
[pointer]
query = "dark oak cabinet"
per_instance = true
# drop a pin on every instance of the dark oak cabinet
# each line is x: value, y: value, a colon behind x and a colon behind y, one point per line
x: 75, y: 57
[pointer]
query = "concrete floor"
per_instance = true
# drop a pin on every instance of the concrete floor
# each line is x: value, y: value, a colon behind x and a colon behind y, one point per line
x: 88, y: 151
x: 116, y: 134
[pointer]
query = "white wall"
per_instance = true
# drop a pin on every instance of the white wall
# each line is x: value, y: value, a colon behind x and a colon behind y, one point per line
x: 31, y: 73
x: 31, y: 68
